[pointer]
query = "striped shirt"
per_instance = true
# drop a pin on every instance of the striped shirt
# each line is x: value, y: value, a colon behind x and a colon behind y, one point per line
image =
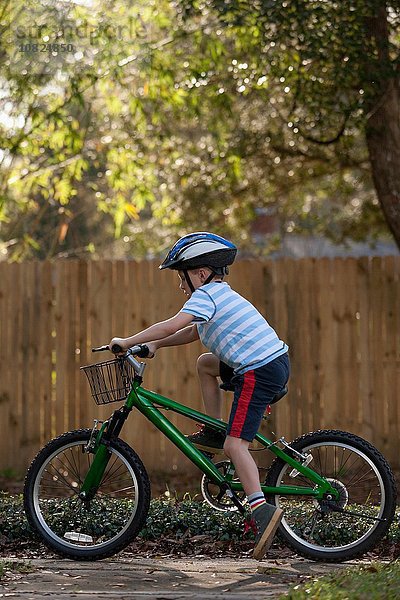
x: 232, y: 329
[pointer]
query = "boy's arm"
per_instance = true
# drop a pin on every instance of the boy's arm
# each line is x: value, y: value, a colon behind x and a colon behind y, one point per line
x: 184, y: 336
x: 158, y: 331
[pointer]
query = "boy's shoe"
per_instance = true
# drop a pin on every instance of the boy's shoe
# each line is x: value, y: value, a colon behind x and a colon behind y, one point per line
x: 208, y: 439
x: 267, y: 519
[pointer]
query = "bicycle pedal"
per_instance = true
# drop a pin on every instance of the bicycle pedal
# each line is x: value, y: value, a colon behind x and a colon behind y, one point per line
x: 209, y: 455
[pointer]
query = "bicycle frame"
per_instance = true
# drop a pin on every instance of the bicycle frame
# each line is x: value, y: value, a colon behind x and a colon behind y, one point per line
x: 148, y: 403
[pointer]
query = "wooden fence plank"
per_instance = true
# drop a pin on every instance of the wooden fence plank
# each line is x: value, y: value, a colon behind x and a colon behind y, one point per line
x: 305, y: 319
x: 391, y: 366
x: 135, y: 307
x: 339, y: 317
x: 325, y: 411
x: 278, y: 314
x: 101, y: 318
x: 45, y: 341
x: 60, y: 400
x: 365, y: 417
x: 346, y: 323
x: 84, y: 345
x: 6, y: 385
x: 29, y: 410
x: 172, y: 379
x: 353, y: 365
x: 314, y: 337
x: 379, y: 404
x: 17, y: 360
x: 297, y: 328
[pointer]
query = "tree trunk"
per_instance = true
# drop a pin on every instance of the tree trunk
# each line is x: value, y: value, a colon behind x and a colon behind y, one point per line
x: 383, y: 141
x: 383, y: 124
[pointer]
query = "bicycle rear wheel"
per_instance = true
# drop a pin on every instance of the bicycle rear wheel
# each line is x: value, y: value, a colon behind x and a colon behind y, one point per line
x: 342, y: 529
x: 86, y: 529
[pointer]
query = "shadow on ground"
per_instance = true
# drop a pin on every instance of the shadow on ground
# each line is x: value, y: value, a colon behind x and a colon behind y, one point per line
x: 199, y: 579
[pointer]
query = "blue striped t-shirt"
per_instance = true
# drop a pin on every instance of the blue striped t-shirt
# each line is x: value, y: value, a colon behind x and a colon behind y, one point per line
x: 230, y: 327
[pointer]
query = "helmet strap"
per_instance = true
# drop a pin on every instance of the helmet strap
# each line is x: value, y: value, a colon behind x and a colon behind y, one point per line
x: 216, y: 272
x: 210, y: 278
x: 189, y: 281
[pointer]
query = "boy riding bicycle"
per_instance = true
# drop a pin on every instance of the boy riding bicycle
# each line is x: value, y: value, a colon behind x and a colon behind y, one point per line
x: 245, y: 352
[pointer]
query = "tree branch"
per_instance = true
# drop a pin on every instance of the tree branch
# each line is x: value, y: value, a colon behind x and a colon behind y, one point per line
x: 327, y: 142
x: 94, y: 80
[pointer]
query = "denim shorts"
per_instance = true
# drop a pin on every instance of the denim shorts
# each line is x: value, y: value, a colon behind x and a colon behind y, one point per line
x: 254, y: 390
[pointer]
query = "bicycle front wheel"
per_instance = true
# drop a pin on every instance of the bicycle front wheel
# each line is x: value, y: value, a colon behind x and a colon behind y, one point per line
x: 341, y: 529
x: 86, y: 529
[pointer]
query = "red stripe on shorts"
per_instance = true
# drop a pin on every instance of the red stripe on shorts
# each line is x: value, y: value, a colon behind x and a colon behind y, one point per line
x: 243, y: 404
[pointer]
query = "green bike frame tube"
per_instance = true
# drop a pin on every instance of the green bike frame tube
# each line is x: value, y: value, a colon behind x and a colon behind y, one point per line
x: 144, y: 400
x: 96, y: 471
x: 147, y: 402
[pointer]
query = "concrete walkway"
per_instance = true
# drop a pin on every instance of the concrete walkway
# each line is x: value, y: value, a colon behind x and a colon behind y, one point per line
x: 164, y: 578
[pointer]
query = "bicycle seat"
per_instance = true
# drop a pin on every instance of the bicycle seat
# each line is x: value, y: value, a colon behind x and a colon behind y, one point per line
x: 279, y: 395
x: 227, y: 386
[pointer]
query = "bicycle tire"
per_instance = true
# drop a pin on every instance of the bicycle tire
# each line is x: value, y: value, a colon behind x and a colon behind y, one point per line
x: 322, y: 533
x: 42, y: 505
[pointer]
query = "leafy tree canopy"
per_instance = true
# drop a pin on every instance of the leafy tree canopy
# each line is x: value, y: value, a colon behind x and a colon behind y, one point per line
x: 166, y: 117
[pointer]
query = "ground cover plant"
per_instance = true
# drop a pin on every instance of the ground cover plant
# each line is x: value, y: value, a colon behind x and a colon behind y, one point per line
x: 173, y: 527
x: 377, y: 581
x: 8, y: 568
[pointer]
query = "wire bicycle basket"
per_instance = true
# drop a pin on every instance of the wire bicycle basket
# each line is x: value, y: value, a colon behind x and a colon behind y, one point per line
x: 110, y: 381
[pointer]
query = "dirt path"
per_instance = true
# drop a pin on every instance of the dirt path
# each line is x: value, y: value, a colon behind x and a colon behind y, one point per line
x: 164, y: 578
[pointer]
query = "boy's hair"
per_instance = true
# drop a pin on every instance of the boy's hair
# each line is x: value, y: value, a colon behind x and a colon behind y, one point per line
x: 196, y: 270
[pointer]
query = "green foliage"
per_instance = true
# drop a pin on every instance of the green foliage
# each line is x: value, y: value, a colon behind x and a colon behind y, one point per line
x: 169, y: 116
x: 187, y: 518
x: 167, y: 518
x: 13, y: 523
x: 376, y: 581
x: 64, y: 114
x: 9, y: 473
x: 14, y: 566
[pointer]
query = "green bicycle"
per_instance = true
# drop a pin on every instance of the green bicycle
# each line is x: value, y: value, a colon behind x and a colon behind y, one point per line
x: 87, y: 493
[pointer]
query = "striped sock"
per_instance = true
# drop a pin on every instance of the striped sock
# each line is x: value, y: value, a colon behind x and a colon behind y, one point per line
x: 256, y: 500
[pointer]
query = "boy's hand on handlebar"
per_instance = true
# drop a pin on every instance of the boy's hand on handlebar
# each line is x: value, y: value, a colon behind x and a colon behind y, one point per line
x: 152, y: 349
x: 117, y: 346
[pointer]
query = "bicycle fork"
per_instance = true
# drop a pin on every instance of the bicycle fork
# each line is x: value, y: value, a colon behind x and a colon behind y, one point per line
x: 98, y: 444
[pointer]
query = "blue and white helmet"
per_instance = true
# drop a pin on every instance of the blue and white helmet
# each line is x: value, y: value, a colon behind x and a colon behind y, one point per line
x: 200, y: 249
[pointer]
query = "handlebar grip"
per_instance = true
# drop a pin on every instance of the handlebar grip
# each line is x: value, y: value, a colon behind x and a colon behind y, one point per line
x: 143, y: 352
x: 100, y: 349
x: 116, y: 348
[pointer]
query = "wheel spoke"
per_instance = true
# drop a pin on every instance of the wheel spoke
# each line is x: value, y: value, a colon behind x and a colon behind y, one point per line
x: 345, y: 524
x: 67, y: 518
x: 60, y: 478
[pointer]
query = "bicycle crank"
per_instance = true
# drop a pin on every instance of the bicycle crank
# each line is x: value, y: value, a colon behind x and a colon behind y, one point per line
x: 219, y: 498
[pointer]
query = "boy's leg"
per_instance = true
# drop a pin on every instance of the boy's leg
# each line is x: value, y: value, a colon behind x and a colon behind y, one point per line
x: 267, y: 517
x: 207, y: 439
x: 246, y: 469
x: 208, y: 372
x: 253, y: 391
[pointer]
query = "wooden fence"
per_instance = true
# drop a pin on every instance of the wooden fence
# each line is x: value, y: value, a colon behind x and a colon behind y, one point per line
x: 340, y: 318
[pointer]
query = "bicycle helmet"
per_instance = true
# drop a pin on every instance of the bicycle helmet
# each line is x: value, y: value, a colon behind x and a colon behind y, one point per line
x: 200, y: 249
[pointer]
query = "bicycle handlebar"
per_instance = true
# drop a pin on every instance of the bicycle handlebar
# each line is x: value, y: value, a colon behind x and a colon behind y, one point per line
x: 140, y: 350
